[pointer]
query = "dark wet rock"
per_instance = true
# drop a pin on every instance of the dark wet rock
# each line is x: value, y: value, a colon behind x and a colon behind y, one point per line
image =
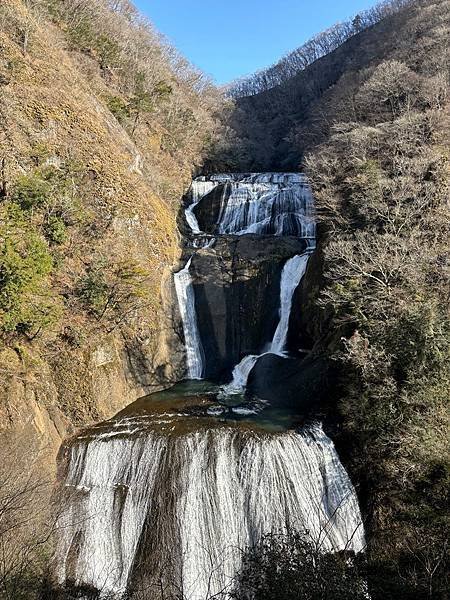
x: 237, y: 288
x: 301, y: 384
x: 307, y: 320
x: 207, y: 210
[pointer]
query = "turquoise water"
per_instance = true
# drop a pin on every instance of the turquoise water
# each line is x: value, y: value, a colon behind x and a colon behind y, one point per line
x: 191, y: 406
x: 205, y: 403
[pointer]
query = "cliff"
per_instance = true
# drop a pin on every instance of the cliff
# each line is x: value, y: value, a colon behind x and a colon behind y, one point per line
x: 97, y: 145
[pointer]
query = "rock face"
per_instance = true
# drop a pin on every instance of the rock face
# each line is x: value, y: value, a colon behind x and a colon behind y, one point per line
x: 43, y: 402
x: 236, y: 285
x: 307, y: 322
x: 208, y: 209
x: 298, y: 384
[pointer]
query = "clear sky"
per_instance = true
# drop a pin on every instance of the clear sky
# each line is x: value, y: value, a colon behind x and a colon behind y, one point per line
x: 230, y: 38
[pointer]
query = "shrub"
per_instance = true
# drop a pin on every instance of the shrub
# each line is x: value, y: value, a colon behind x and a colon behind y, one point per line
x: 41, y: 187
x: 26, y: 305
x: 26, y: 525
x: 145, y: 101
x: 118, y: 107
x: 55, y: 230
x: 50, y: 193
x: 93, y: 291
x: 31, y: 191
x: 107, y: 51
x: 85, y: 38
x: 113, y: 291
x: 290, y: 567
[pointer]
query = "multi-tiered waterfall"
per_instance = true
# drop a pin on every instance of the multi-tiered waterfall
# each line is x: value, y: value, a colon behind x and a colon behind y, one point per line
x: 165, y: 498
x: 229, y: 207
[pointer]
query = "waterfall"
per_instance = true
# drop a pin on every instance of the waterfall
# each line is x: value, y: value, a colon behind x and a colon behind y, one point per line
x: 259, y: 203
x: 199, y: 188
x: 275, y: 205
x: 186, y: 302
x: 255, y: 203
x: 171, y: 493
x: 106, y: 500
x: 208, y: 496
x: 292, y: 273
x: 240, y: 375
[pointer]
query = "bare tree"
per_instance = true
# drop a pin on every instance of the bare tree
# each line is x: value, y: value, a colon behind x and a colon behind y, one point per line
x: 26, y: 525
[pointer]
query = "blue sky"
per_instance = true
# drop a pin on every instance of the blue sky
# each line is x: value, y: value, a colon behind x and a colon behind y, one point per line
x: 230, y: 38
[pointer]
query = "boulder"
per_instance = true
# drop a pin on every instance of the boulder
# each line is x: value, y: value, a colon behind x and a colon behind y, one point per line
x: 299, y: 384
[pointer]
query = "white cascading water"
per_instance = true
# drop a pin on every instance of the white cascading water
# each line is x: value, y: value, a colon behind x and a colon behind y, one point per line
x: 240, y: 376
x: 276, y: 204
x: 292, y: 273
x: 110, y: 529
x: 199, y: 188
x: 221, y: 490
x: 175, y: 500
x: 186, y: 303
x: 258, y: 203
x: 279, y: 203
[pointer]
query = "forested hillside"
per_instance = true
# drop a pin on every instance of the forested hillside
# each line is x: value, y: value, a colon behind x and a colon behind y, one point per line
x: 102, y: 124
x: 369, y: 123
x: 275, y: 128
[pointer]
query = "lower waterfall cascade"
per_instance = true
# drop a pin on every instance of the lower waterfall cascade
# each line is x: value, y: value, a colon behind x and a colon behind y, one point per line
x: 294, y: 480
x: 171, y: 492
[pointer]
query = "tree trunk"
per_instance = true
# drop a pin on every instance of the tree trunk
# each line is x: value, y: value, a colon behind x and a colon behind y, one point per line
x: 3, y: 184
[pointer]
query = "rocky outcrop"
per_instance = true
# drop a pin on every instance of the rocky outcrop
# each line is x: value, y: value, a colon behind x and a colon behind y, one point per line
x: 236, y: 285
x: 296, y: 384
x: 208, y: 209
x: 43, y: 401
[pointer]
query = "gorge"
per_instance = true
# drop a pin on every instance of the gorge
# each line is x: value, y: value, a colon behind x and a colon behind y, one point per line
x: 224, y: 325
x: 172, y: 492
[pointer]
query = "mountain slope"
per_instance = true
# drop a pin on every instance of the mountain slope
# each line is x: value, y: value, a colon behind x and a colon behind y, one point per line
x: 275, y: 128
x: 370, y: 123
x: 101, y: 126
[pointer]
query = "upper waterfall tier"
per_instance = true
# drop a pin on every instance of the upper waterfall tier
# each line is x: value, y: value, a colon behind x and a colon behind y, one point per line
x: 259, y: 203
